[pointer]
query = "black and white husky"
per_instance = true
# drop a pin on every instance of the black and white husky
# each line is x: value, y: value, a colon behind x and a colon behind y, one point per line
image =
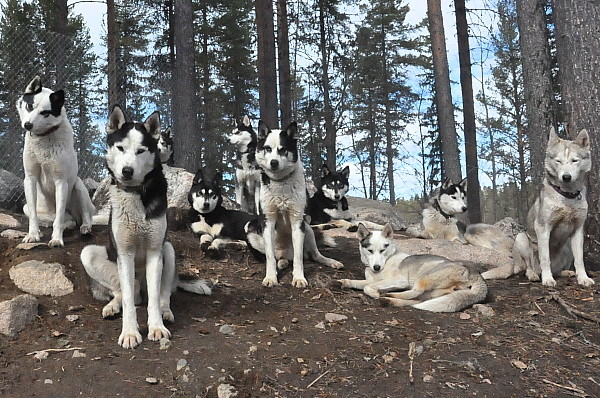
x: 54, y: 194
x: 283, y: 200
x: 138, y: 227
x: 165, y: 147
x: 329, y: 202
x: 247, y: 173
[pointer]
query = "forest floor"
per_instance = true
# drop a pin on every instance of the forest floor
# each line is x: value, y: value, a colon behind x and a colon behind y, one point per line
x: 279, y: 343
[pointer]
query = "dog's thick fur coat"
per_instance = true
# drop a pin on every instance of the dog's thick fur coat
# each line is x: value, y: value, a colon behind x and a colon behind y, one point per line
x: 247, y: 172
x: 430, y: 282
x: 54, y: 194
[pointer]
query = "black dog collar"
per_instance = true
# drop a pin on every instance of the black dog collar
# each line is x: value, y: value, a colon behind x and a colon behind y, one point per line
x: 436, y: 205
x: 568, y: 195
x: 47, y: 132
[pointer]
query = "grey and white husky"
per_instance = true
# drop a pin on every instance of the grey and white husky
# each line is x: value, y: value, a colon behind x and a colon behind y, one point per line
x: 425, y: 281
x: 283, y: 200
x: 555, y: 223
x: 138, y: 228
x: 54, y: 194
x: 247, y: 172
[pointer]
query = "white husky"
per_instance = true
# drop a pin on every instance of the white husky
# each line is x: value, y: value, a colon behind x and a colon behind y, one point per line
x: 555, y: 222
x: 138, y: 198
x: 53, y: 192
x: 247, y: 172
x: 429, y: 282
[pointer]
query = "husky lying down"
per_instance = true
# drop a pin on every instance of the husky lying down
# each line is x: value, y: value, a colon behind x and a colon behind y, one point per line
x: 431, y: 283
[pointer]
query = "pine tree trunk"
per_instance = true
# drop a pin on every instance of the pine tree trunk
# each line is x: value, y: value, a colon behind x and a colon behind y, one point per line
x: 443, y: 96
x: 466, y: 84
x: 283, y: 52
x: 267, y: 73
x: 329, y: 127
x: 578, y: 52
x: 184, y: 84
x: 535, y: 56
x: 111, y: 38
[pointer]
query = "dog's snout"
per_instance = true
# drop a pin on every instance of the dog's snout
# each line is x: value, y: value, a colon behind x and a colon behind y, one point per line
x: 336, y: 196
x: 464, y: 208
x: 566, y: 177
x: 274, y: 164
x: 376, y: 267
x: 127, y: 172
x: 206, y: 205
x: 28, y: 126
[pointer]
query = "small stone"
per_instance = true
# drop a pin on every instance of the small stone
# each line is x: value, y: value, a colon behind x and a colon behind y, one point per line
x: 294, y: 320
x: 320, y: 325
x: 13, y: 234
x: 79, y: 354
x: 41, y: 355
x: 465, y: 316
x: 226, y: 391
x: 182, y: 363
x: 9, y: 221
x: 226, y: 329
x: 484, y: 310
x: 72, y: 318
x: 48, y: 381
x: 164, y: 344
x: 74, y: 308
x: 151, y: 380
x: 427, y: 378
x: 186, y: 352
x: 30, y: 246
x: 331, y: 317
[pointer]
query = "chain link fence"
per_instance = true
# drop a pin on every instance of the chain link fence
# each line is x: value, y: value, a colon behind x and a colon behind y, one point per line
x: 61, y: 63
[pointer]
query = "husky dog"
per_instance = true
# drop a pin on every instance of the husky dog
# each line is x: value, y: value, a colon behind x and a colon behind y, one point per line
x: 555, y: 222
x: 283, y: 200
x: 329, y: 202
x: 214, y: 223
x: 53, y: 192
x: 431, y: 283
x: 138, y: 227
x: 165, y: 147
x: 247, y: 173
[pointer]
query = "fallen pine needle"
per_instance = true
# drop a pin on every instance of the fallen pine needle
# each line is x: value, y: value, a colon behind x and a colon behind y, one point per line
x: 574, y: 389
x: 54, y: 350
x: 317, y: 379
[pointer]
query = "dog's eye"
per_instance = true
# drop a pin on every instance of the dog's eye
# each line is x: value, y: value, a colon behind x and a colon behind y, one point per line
x: 120, y: 148
x: 574, y: 160
x: 267, y: 149
x: 558, y: 161
x: 29, y: 107
x: 45, y: 113
x: 370, y: 251
x: 140, y: 151
x: 281, y: 151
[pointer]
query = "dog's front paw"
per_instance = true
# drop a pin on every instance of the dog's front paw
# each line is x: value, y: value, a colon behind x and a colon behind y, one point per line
x: 299, y: 282
x: 31, y: 238
x: 130, y: 339
x: 85, y: 229
x: 548, y: 281
x: 158, y: 332
x: 167, y: 315
x: 532, y: 276
x: 270, y: 281
x: 585, y: 281
x: 212, y: 252
x: 56, y: 243
x: 204, y: 246
x: 336, y: 265
x: 110, y: 309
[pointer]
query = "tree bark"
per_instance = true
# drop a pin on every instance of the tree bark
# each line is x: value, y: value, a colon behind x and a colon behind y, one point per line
x: 186, y: 145
x: 283, y: 53
x: 537, y: 81
x: 267, y: 73
x: 329, y: 127
x: 578, y: 52
x: 466, y: 84
x: 111, y: 38
x: 443, y: 96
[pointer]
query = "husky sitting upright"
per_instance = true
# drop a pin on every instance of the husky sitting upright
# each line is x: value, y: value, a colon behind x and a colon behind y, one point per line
x: 430, y: 282
x: 138, y: 228
x: 329, y: 202
x: 283, y: 200
x: 247, y: 173
x: 165, y: 147
x: 54, y: 193
x: 555, y: 222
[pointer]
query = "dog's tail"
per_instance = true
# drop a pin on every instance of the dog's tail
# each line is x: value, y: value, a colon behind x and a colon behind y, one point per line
x: 457, y: 300
x: 322, y: 239
x: 197, y: 286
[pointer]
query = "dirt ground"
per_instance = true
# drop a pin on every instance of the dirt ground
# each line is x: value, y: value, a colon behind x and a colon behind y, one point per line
x: 282, y: 345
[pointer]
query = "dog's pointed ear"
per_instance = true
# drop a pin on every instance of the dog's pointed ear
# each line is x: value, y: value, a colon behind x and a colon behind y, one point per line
x: 362, y: 232
x: 325, y: 171
x: 447, y: 182
x: 152, y: 125
x: 553, y: 138
x: 292, y: 130
x: 198, y: 177
x: 583, y: 139
x: 463, y: 184
x: 263, y: 130
x: 116, y: 119
x: 34, y: 86
x: 57, y: 99
x: 346, y: 172
x: 387, y: 231
x: 246, y: 121
x: 217, y: 179
x: 168, y: 132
